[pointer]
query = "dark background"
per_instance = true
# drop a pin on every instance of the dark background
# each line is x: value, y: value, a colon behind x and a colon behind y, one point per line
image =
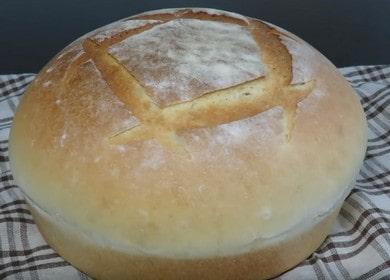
x: 353, y: 32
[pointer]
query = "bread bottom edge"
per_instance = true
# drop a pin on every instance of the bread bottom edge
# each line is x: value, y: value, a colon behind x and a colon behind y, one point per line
x: 105, y: 263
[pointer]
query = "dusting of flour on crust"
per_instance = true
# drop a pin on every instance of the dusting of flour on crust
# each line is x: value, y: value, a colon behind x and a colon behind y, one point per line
x: 50, y: 69
x: 220, y: 13
x: 182, y: 59
x: 47, y: 83
x: 196, y: 10
x: 96, y: 105
x: 154, y: 157
x: 117, y: 27
x: 304, y: 60
x: 215, y: 144
x: 265, y: 213
x: 237, y: 132
x: 109, y: 103
x: 302, y: 57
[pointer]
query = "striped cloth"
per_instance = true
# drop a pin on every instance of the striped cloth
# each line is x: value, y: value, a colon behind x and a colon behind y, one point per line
x: 357, y: 248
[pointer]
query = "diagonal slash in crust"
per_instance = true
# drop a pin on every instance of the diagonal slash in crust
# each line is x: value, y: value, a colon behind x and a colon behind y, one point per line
x: 213, y: 108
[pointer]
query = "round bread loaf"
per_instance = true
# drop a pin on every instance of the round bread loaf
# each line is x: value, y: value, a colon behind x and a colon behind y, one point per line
x: 187, y: 144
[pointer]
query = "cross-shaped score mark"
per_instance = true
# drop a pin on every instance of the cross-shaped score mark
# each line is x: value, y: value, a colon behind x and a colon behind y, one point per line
x: 211, y: 109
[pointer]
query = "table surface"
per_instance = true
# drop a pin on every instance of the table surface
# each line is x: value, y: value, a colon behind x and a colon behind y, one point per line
x: 354, y: 32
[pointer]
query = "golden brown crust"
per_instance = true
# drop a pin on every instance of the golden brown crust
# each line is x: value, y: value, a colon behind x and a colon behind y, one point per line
x: 191, y: 180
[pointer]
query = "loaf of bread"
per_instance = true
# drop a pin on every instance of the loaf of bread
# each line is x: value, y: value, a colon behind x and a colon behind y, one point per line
x: 187, y: 144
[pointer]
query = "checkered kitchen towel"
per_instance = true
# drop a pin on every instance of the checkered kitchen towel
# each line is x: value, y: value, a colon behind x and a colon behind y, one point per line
x: 357, y: 248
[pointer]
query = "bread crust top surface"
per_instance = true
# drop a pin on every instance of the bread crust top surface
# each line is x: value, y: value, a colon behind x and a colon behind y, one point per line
x: 188, y: 132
